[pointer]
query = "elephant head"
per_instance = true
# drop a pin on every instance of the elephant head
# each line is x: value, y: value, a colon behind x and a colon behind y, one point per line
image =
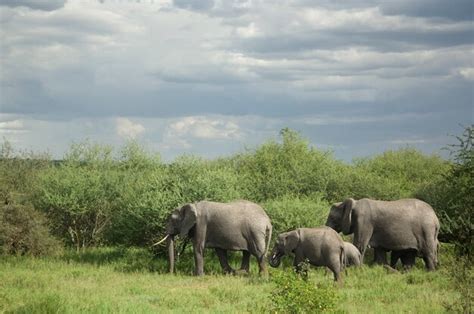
x: 181, y: 221
x: 340, y: 216
x: 285, y: 244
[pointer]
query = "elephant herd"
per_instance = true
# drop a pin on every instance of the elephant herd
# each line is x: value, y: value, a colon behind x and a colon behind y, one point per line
x: 408, y: 228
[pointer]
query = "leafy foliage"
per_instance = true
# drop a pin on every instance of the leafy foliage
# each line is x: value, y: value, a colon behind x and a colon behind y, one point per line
x: 461, y: 274
x: 291, y: 167
x: 291, y: 212
x: 78, y: 194
x: 25, y: 231
x: 453, y: 196
x: 403, y: 171
x: 18, y: 171
x: 98, y: 195
x: 295, y: 293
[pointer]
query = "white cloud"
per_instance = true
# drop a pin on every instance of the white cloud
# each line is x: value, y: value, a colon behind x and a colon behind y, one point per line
x: 248, y: 31
x: 409, y: 141
x: 204, y: 128
x: 343, y: 120
x: 467, y: 73
x: 127, y: 129
x: 12, y: 127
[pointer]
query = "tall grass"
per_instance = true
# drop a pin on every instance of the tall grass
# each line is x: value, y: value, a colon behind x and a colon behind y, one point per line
x: 117, y: 280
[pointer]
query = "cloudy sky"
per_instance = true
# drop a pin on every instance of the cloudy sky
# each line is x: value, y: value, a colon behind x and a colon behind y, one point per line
x: 212, y: 77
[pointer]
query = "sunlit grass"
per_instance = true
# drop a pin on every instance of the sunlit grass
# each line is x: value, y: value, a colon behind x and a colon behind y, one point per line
x: 71, y: 285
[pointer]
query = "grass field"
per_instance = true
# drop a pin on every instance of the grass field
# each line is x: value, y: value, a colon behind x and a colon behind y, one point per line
x: 111, y: 280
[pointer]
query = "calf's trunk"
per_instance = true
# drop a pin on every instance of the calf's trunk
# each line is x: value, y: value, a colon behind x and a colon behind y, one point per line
x: 170, y: 245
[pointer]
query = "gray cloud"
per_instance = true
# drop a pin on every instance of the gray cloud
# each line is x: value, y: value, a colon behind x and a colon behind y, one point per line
x: 370, y: 75
x: 454, y: 10
x: 45, y: 5
x: 196, y: 5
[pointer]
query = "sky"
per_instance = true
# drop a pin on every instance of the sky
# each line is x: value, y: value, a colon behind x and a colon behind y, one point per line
x: 214, y: 77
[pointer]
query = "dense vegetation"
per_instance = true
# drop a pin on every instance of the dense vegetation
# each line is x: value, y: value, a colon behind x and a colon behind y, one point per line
x: 99, y: 196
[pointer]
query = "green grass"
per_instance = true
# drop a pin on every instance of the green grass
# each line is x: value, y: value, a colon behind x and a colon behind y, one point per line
x: 132, y: 281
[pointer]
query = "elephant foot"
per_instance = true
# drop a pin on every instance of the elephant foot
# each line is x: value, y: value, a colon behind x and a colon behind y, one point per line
x: 242, y: 272
x: 407, y: 267
x: 198, y: 273
x: 389, y: 269
x: 229, y: 271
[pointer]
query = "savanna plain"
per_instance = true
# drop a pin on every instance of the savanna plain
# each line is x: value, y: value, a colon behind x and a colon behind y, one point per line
x: 76, y: 235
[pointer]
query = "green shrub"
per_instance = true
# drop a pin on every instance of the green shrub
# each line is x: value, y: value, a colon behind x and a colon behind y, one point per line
x: 461, y: 272
x: 18, y: 172
x: 23, y: 230
x: 452, y: 196
x: 402, y: 172
x: 290, y: 167
x: 295, y: 293
x: 78, y: 194
x: 291, y: 212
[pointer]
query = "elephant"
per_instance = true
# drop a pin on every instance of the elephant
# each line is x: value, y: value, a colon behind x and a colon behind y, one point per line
x: 321, y: 246
x: 406, y: 256
x: 352, y: 255
x: 406, y: 224
x: 238, y: 226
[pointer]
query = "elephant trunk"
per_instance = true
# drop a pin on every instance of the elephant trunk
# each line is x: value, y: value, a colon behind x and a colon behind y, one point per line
x: 275, y: 259
x: 170, y: 245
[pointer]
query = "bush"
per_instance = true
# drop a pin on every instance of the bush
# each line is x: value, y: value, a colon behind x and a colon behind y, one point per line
x: 403, y: 171
x: 18, y: 172
x: 296, y: 294
x: 461, y: 273
x: 78, y: 195
x: 23, y: 230
x: 290, y: 167
x: 452, y: 196
x: 291, y: 212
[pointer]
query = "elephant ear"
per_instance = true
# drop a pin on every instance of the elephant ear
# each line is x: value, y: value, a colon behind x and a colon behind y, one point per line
x: 189, y: 213
x: 291, y: 241
x: 346, y: 222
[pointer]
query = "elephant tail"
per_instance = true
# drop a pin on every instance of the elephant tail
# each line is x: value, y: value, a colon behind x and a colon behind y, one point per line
x: 342, y: 258
x: 268, y: 238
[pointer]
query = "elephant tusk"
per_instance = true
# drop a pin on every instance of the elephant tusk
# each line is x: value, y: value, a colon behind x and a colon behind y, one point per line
x: 161, y: 241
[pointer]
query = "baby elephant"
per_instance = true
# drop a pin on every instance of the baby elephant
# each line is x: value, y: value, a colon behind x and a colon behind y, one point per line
x: 321, y: 246
x: 352, y: 254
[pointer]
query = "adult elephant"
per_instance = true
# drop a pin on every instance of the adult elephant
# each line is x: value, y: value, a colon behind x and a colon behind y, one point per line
x: 407, y: 224
x: 236, y: 226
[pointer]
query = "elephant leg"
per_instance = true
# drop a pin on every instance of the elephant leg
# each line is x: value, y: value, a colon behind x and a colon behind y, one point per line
x: 262, y: 265
x: 297, y: 262
x: 380, y: 256
x: 394, y: 257
x: 362, y: 234
x: 222, y: 254
x: 430, y: 261
x: 408, y: 259
x: 335, y: 266
x: 198, y: 258
x: 245, y: 266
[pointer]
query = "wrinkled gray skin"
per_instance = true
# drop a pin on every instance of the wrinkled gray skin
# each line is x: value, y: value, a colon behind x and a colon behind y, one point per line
x: 236, y: 226
x: 352, y: 254
x: 321, y: 246
x: 407, y: 224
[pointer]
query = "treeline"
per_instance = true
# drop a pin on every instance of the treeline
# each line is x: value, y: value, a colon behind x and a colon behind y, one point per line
x: 98, y: 195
